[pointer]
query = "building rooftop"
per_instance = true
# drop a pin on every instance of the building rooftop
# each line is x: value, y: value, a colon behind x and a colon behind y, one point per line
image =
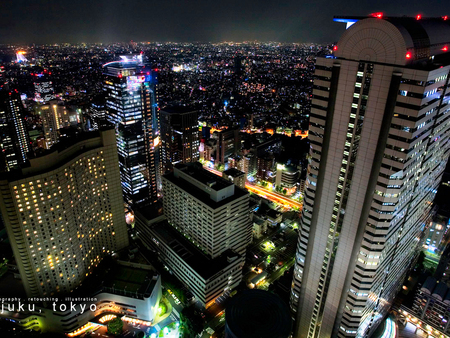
x: 201, y: 195
x: 110, y: 276
x: 196, y: 172
x: 416, y: 42
x: 188, y: 252
x: 62, y: 152
x: 233, y: 172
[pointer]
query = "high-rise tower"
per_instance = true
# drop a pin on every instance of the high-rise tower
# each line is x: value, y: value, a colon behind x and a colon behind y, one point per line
x: 131, y: 107
x: 379, y: 132
x: 64, y: 213
x: 14, y: 142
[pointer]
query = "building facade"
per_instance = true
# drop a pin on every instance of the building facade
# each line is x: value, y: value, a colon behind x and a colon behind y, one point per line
x: 265, y: 168
x: 209, y: 210
x: 286, y: 176
x: 379, y: 129
x: 208, y: 227
x: 228, y: 144
x: 64, y: 212
x: 432, y: 304
x: 14, y: 142
x: 179, y: 137
x: 131, y: 107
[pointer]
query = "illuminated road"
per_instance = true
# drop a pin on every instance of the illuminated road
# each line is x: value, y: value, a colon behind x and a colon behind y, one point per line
x: 273, y: 196
x: 270, y: 195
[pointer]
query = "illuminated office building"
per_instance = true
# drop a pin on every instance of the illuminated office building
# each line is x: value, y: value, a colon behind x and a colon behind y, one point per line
x: 14, y: 142
x: 179, y: 137
x: 131, y: 107
x: 64, y: 213
x: 379, y: 133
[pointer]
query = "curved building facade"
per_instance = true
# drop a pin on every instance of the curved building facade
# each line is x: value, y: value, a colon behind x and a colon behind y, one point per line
x: 64, y: 213
x: 379, y: 132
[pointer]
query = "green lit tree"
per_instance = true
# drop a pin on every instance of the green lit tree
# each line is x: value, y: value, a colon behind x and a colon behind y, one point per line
x: 115, y: 326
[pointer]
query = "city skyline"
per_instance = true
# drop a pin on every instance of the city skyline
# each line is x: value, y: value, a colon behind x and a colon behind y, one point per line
x: 179, y: 21
x: 225, y: 190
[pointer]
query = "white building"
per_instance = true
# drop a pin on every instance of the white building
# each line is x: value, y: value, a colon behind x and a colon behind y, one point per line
x: 92, y: 303
x: 379, y: 129
x: 212, y: 212
x: 207, y: 233
x: 207, y: 278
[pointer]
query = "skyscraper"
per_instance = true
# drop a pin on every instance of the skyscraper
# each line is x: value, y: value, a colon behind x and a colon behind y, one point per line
x: 14, y: 142
x: 379, y: 144
x: 64, y: 213
x: 131, y: 107
x: 179, y: 137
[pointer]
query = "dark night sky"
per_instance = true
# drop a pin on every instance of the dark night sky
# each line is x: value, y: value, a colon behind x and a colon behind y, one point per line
x: 55, y: 21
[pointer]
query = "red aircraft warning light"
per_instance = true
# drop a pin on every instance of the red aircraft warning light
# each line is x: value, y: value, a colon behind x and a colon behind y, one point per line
x: 445, y: 17
x: 418, y: 17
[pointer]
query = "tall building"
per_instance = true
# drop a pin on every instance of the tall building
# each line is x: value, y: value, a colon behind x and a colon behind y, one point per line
x: 206, y: 231
x: 179, y: 137
x: 379, y: 128
x: 14, y: 142
x: 131, y: 107
x: 64, y: 213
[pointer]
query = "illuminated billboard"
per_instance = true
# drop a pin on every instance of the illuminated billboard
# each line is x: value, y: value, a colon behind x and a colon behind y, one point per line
x: 134, y: 82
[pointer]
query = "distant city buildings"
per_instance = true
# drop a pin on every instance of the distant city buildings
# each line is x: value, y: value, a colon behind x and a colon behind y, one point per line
x: 379, y: 129
x: 64, y: 213
x: 44, y: 91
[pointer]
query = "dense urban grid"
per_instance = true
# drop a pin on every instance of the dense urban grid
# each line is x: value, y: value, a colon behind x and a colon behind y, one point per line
x: 228, y: 189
